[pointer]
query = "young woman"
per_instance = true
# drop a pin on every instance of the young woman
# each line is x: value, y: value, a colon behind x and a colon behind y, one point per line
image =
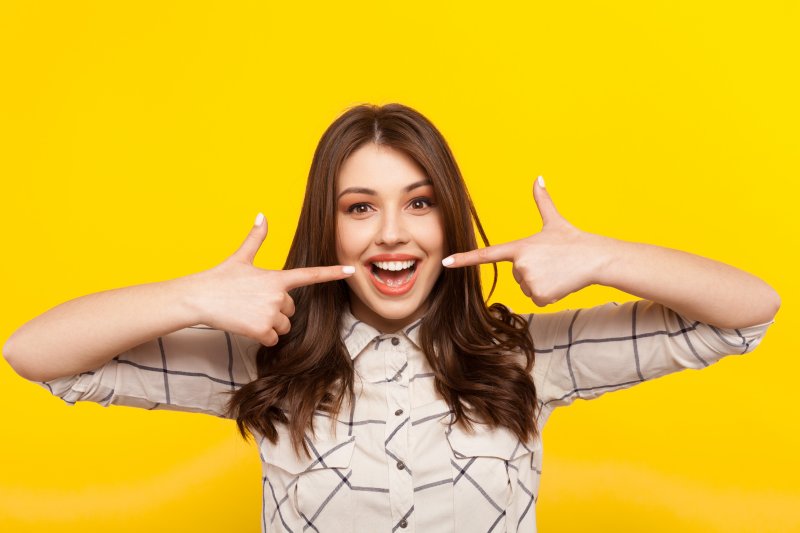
x: 387, y: 396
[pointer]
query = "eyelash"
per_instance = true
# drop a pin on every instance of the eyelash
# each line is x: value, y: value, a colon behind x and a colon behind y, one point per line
x: 352, y: 208
x: 423, y: 199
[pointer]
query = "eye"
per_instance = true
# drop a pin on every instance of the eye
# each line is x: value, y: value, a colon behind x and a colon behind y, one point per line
x: 358, y: 209
x: 421, y: 203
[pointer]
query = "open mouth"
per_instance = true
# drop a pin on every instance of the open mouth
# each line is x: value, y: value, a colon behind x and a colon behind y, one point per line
x: 393, y: 277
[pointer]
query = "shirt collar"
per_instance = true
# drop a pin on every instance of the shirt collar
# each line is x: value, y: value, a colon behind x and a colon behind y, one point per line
x: 357, y: 334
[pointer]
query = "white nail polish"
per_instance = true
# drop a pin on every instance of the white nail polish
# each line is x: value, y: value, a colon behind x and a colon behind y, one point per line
x: 259, y: 219
x: 349, y: 269
x: 448, y: 261
x: 541, y: 182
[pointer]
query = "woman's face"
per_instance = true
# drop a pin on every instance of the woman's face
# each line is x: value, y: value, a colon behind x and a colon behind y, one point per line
x: 388, y: 225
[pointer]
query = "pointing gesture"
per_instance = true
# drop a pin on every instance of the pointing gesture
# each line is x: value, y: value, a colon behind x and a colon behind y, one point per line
x: 548, y: 265
x: 238, y: 297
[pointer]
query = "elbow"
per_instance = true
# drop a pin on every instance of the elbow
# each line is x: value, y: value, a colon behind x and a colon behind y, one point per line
x: 18, y: 363
x: 769, y: 306
x: 777, y: 304
x: 7, y: 355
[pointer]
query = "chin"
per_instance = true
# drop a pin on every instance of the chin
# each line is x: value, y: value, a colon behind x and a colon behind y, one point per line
x: 395, y: 311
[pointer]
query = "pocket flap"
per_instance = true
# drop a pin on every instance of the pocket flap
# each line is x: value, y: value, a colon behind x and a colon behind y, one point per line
x: 498, y: 442
x: 330, y: 453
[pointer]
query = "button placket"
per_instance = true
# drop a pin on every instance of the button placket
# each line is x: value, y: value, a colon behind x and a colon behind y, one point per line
x: 401, y: 490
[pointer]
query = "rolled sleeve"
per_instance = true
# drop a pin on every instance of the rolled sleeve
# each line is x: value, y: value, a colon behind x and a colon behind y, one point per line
x: 192, y: 370
x: 584, y: 353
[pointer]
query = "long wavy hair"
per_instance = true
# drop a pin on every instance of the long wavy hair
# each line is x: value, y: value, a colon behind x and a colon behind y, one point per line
x: 476, y: 352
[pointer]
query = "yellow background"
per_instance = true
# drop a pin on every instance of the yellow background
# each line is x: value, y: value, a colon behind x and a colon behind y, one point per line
x: 138, y: 140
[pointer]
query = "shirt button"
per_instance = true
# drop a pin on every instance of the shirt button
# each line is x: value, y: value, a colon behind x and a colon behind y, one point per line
x: 403, y: 523
x: 395, y: 341
x: 400, y: 465
x: 398, y: 412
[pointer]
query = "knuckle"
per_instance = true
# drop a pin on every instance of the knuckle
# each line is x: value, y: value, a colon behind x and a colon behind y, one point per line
x: 270, y: 339
x: 283, y: 326
x: 264, y: 331
x: 542, y: 297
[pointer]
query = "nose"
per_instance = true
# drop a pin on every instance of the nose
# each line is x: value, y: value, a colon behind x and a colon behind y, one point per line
x: 392, y: 230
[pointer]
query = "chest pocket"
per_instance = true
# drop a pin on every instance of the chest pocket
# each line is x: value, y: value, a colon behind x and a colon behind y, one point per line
x: 310, y: 492
x: 486, y: 466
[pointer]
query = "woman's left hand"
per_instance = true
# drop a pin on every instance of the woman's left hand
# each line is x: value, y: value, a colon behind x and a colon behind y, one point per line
x: 550, y: 264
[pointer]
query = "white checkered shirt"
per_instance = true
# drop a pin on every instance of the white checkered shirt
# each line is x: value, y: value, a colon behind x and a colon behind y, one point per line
x: 393, y: 463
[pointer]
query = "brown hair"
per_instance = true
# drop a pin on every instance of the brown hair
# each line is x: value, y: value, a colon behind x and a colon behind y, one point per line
x: 474, y: 350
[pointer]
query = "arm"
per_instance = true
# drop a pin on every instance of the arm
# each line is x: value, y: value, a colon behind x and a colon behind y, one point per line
x: 585, y: 353
x: 87, y: 332
x: 696, y: 287
x: 132, y: 347
x: 562, y: 259
x: 234, y: 296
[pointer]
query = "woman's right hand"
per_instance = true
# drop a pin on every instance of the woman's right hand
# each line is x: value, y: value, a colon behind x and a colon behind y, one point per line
x: 238, y: 297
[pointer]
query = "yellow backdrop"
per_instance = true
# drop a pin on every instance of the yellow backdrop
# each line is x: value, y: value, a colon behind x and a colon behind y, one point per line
x: 138, y: 140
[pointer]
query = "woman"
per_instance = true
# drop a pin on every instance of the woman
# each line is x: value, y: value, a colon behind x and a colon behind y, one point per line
x: 387, y: 396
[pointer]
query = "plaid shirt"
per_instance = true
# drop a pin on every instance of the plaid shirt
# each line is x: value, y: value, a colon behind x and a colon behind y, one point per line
x: 391, y: 461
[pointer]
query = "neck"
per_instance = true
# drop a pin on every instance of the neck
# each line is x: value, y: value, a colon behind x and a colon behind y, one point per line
x: 381, y: 323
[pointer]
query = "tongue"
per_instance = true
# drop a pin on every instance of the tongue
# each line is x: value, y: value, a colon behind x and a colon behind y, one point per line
x: 394, y: 276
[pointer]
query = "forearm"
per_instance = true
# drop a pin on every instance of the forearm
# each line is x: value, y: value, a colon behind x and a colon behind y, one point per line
x: 696, y: 287
x: 86, y: 332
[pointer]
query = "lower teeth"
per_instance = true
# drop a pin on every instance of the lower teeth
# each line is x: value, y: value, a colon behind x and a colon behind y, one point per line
x: 392, y: 283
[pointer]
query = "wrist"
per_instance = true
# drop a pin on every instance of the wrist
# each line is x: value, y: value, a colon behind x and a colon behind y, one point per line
x: 606, y: 253
x: 187, y: 295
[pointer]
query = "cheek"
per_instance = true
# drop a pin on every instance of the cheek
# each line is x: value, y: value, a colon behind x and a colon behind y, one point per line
x: 431, y: 237
x: 350, y: 239
x: 341, y: 237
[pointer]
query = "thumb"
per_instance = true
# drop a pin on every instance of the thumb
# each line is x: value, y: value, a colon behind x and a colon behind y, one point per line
x: 249, y: 248
x: 544, y: 203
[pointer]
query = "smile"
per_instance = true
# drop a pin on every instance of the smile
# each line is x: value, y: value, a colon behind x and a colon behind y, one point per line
x: 393, y: 278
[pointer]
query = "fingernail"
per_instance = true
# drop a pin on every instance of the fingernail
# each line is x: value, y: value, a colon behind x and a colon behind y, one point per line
x: 448, y: 261
x: 349, y: 269
x: 541, y: 182
x: 259, y: 219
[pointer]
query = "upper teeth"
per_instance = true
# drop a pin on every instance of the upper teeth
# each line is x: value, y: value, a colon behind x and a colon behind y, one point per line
x: 393, y: 265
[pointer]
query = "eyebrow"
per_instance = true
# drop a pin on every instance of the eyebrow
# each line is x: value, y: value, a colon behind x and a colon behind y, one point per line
x: 364, y: 190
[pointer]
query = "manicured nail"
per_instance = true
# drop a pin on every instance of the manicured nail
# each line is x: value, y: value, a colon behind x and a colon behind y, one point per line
x: 259, y: 219
x: 349, y: 269
x: 541, y: 182
x: 448, y: 261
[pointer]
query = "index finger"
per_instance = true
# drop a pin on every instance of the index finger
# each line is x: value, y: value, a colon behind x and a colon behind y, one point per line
x: 489, y: 254
x: 299, y: 277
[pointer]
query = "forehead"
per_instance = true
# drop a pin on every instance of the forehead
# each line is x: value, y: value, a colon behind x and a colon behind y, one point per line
x: 378, y: 167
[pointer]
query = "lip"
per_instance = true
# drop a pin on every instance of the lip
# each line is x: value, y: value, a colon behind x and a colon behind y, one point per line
x: 385, y: 289
x: 391, y: 257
